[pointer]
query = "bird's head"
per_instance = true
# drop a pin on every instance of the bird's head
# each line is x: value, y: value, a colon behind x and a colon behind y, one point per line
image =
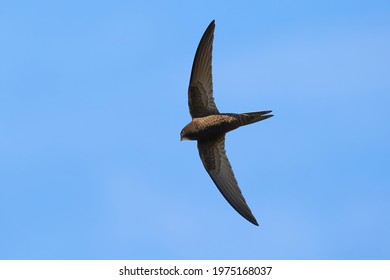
x: 187, y: 132
x: 183, y: 135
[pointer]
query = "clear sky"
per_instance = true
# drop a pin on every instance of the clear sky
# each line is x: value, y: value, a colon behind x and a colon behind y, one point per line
x: 93, y: 95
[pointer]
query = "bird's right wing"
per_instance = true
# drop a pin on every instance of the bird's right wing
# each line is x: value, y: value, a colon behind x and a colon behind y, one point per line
x: 200, y: 91
x: 213, y: 156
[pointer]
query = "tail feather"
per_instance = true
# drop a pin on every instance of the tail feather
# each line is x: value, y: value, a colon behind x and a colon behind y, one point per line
x: 252, y: 117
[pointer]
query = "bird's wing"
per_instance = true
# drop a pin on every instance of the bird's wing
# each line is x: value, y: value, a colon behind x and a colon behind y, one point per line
x: 200, y: 91
x: 213, y: 156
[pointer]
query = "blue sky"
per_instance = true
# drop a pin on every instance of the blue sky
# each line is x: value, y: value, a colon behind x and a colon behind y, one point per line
x: 93, y: 96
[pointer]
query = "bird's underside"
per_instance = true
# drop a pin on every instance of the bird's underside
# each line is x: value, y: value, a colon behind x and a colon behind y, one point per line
x: 209, y: 127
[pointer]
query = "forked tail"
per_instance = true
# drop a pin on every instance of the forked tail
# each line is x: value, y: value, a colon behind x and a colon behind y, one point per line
x: 252, y: 117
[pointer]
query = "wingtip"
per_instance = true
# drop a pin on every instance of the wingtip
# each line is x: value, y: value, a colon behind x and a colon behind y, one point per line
x: 253, y: 221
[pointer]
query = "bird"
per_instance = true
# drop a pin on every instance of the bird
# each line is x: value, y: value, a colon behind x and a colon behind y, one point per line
x: 209, y: 127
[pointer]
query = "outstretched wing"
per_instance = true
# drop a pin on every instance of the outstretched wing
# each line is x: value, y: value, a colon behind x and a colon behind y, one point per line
x: 200, y: 91
x: 213, y: 156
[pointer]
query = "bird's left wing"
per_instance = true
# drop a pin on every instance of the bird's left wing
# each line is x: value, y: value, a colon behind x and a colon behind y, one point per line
x: 200, y: 91
x: 213, y: 156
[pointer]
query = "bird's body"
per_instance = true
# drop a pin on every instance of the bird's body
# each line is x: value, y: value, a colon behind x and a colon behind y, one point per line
x: 208, y: 127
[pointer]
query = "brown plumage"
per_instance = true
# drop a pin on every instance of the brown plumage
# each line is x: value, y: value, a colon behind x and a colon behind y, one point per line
x: 209, y: 127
